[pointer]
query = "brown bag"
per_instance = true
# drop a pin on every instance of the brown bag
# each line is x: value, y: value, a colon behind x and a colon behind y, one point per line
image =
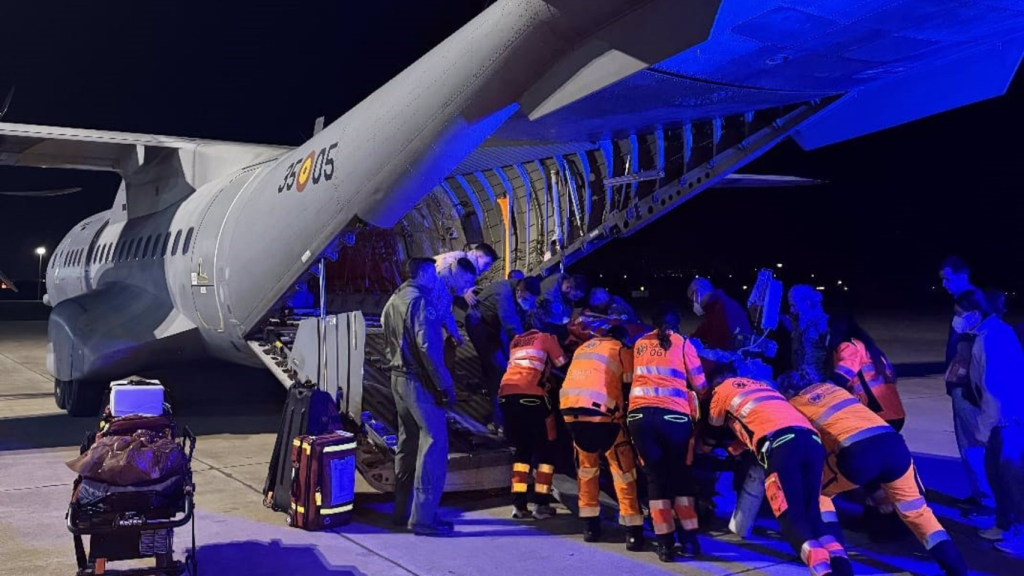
x: 323, y: 481
x: 143, y: 457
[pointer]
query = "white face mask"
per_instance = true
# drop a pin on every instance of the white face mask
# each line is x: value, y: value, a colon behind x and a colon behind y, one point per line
x: 966, y: 323
x: 697, y: 309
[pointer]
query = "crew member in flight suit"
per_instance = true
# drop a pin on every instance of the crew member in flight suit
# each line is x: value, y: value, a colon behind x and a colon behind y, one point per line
x: 453, y: 281
x: 591, y: 401
x: 791, y: 451
x: 663, y: 405
x: 862, y: 369
x: 422, y: 387
x: 530, y: 420
x: 493, y: 322
x: 863, y: 450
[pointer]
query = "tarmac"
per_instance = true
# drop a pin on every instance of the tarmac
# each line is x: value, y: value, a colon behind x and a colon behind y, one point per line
x: 235, y: 413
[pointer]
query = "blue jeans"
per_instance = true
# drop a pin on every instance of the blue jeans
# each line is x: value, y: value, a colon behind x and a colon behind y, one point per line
x: 421, y: 460
x: 1005, y: 470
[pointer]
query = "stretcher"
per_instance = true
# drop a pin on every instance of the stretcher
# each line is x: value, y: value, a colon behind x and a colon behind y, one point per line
x: 135, y: 521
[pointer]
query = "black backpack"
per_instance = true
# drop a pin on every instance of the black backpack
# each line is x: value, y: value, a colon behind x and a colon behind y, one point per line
x: 308, y: 411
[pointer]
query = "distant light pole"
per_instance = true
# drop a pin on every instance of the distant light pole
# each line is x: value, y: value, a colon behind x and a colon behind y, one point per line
x: 41, y: 251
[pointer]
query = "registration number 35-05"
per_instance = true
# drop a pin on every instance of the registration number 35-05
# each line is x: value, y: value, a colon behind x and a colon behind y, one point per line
x: 315, y: 167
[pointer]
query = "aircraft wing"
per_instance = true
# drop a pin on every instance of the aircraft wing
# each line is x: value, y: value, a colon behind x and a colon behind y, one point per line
x: 40, y: 193
x: 75, y: 148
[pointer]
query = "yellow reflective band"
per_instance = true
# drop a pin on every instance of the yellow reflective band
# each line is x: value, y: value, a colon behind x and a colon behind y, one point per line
x: 519, y: 487
x: 521, y: 467
x: 546, y: 468
x: 297, y: 441
x: 541, y: 488
x: 301, y: 510
x: 329, y: 511
x: 317, y: 499
x: 339, y: 448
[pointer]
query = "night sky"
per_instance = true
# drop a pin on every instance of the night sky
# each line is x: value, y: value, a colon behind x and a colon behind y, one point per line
x: 895, y: 202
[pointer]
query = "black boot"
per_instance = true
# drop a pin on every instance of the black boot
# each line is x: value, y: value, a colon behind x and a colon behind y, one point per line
x: 635, y: 540
x: 666, y: 547
x: 841, y: 566
x: 949, y: 558
x: 689, y: 546
x: 592, y: 530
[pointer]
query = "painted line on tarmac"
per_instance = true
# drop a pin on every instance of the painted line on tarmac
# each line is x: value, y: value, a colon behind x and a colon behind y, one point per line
x: 47, y: 376
x: 9, y: 490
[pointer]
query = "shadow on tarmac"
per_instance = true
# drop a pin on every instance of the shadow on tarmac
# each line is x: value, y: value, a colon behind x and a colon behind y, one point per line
x: 268, y: 558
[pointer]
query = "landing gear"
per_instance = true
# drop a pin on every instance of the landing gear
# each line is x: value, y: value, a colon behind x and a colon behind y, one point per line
x: 78, y: 397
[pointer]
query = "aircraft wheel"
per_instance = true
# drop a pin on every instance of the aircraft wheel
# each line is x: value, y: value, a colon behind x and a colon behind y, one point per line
x: 84, y: 398
x: 60, y: 393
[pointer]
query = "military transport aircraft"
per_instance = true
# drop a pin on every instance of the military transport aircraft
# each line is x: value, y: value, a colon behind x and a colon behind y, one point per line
x: 540, y: 121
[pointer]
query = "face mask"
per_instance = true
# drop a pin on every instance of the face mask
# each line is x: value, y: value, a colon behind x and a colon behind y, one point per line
x: 967, y: 322
x: 697, y: 309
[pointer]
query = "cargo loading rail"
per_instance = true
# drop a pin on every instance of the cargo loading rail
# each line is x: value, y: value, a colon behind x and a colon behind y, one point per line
x: 346, y: 359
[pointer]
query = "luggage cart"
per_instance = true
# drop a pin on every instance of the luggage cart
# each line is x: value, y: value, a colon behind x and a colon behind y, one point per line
x: 134, y: 522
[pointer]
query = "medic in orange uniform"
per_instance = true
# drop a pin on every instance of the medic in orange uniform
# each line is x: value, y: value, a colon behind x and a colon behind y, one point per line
x: 591, y: 401
x: 865, y: 451
x: 663, y: 407
x: 529, y: 419
x: 790, y: 450
x: 862, y: 368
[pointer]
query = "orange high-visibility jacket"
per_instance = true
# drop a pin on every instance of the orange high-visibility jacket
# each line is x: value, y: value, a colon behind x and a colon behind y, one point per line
x: 754, y: 410
x: 838, y: 417
x: 855, y: 371
x: 663, y: 379
x: 594, y: 381
x: 530, y: 359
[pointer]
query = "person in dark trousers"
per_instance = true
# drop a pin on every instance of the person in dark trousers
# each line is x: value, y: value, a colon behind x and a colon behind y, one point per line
x: 423, y: 387
x: 492, y: 323
x: 955, y: 275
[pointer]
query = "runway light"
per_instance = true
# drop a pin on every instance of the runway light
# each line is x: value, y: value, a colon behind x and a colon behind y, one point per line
x: 779, y: 265
x: 840, y: 283
x: 812, y: 275
x: 624, y: 276
x: 730, y: 275
x: 744, y: 287
x: 846, y: 288
x: 819, y: 288
x: 642, y: 288
x: 40, y: 251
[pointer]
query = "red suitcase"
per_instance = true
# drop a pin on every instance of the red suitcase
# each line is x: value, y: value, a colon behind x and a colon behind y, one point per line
x: 323, y: 480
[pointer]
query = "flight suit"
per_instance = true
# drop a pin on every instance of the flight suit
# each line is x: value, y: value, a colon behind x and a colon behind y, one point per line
x: 855, y: 371
x: 529, y: 419
x: 422, y: 386
x: 591, y: 401
x: 865, y: 451
x: 791, y: 452
x: 662, y: 412
x: 491, y: 325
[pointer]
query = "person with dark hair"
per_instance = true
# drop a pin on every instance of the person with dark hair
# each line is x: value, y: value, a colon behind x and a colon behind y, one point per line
x: 789, y: 449
x: 668, y: 381
x: 498, y: 317
x: 601, y: 301
x: 997, y: 365
x: 971, y: 438
x: 516, y: 275
x: 864, y: 451
x: 530, y: 421
x: 592, y: 402
x: 559, y: 292
x: 423, y: 388
x: 861, y: 367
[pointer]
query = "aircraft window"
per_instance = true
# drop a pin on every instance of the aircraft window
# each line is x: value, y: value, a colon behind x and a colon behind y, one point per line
x: 177, y: 239
x: 167, y: 240
x: 78, y: 257
x: 145, y: 250
x: 106, y: 253
x: 101, y: 253
x: 188, y: 240
x: 138, y: 248
x: 119, y: 248
x: 64, y: 258
x: 131, y: 247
